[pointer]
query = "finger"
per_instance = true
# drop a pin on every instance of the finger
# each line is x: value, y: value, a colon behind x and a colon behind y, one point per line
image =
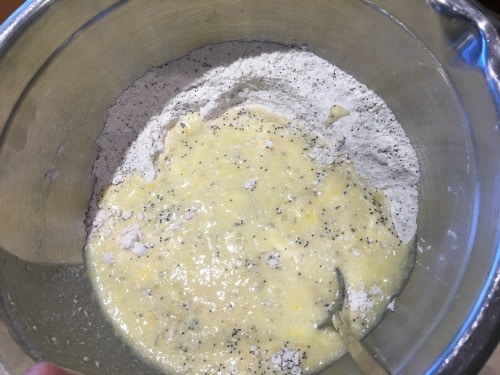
x: 45, y: 368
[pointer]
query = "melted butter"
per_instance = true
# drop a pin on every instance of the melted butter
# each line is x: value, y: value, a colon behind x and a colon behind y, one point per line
x: 228, y: 256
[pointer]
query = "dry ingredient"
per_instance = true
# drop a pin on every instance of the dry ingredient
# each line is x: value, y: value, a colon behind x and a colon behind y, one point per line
x: 226, y: 232
x: 290, y: 81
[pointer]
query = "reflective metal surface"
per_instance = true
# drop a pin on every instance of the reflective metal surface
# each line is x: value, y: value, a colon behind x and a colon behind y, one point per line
x: 479, y: 47
x: 63, y: 63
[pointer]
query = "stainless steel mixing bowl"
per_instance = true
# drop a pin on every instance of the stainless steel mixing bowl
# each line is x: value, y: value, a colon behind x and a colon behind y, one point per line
x: 62, y: 63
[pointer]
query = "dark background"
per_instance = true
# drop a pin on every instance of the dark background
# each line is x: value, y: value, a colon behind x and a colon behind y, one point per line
x: 7, y: 7
x: 493, y: 5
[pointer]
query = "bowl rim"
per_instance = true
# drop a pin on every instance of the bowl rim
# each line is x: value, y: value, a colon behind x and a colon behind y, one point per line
x: 480, y: 333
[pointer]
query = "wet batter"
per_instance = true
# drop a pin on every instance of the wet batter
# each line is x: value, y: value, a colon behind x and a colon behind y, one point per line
x: 225, y: 262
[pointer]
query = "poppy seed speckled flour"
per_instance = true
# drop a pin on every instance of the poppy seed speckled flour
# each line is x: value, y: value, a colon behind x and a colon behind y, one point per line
x: 230, y: 185
x: 290, y: 81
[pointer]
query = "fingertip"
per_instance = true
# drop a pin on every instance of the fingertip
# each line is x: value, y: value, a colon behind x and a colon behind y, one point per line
x: 45, y: 368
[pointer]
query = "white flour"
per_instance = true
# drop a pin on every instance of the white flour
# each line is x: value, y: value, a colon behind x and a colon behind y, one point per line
x: 288, y: 81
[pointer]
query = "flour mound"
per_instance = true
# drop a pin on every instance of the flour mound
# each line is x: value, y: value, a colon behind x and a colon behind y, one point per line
x: 286, y: 80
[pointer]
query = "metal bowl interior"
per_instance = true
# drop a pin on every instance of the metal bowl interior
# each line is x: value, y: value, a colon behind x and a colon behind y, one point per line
x: 64, y: 63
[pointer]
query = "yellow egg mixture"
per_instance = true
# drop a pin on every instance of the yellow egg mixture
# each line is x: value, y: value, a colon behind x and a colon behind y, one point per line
x: 225, y: 262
